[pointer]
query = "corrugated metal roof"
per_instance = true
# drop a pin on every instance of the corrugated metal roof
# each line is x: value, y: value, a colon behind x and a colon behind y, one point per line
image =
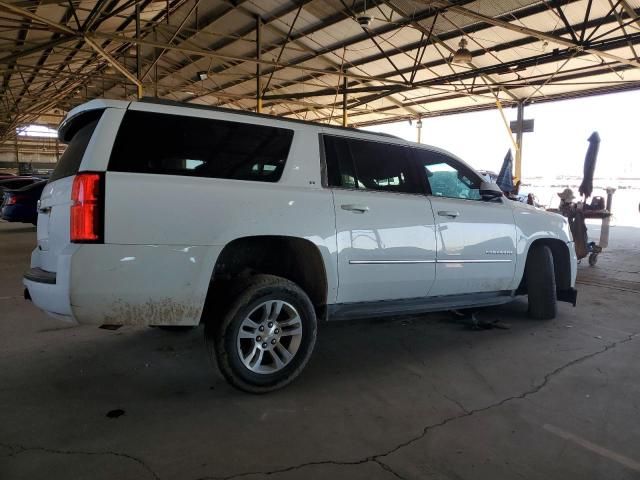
x: 399, y: 66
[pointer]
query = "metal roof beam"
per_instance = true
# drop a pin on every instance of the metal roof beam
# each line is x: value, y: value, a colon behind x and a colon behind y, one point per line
x: 528, y: 62
x: 115, y: 64
x: 173, y: 37
x: 36, y: 18
x: 35, y: 49
x: 226, y: 42
x: 489, y: 106
x: 630, y: 11
x: 530, y: 32
x: 497, y: 68
x: 443, y: 37
x: 531, y: 61
x: 209, y: 54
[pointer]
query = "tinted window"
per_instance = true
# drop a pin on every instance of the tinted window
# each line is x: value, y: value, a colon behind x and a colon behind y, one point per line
x: 70, y: 161
x: 178, y: 145
x: 368, y: 165
x: 447, y: 177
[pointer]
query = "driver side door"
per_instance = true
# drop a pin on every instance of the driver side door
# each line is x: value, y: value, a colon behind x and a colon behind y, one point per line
x: 475, y: 239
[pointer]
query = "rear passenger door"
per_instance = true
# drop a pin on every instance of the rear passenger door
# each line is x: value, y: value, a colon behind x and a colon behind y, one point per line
x: 476, y: 248
x: 384, y: 223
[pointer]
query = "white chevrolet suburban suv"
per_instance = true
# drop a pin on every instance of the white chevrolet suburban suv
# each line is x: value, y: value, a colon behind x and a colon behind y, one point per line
x: 172, y: 214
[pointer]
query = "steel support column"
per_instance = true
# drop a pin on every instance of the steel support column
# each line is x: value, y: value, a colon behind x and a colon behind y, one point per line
x: 344, y: 102
x: 17, y: 156
x: 138, y: 57
x: 519, y: 136
x: 258, y: 64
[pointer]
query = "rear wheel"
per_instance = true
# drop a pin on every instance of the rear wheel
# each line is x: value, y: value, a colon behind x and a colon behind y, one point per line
x: 266, y: 335
x: 541, y: 283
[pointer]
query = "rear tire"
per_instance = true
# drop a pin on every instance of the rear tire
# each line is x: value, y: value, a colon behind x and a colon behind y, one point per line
x: 541, y: 283
x: 266, y: 335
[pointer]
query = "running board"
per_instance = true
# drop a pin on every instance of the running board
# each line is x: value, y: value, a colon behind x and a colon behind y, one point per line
x: 385, y: 308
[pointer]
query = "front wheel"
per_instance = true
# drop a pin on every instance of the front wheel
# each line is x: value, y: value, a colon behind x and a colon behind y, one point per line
x: 266, y: 335
x: 541, y: 283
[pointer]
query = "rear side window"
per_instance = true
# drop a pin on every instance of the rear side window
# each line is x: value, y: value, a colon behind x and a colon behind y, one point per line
x: 179, y: 145
x: 363, y: 164
x: 80, y: 131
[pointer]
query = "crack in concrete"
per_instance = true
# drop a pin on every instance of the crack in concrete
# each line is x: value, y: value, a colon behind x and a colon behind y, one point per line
x: 376, y: 457
x: 18, y: 449
x: 388, y: 468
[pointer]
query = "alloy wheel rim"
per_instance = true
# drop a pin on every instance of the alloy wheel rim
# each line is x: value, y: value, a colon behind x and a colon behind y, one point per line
x: 269, y: 337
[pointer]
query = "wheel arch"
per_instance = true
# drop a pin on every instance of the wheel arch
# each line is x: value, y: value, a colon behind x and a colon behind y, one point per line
x: 561, y: 263
x: 296, y: 259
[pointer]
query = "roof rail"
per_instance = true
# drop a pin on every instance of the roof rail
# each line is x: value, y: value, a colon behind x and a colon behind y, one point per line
x: 174, y: 103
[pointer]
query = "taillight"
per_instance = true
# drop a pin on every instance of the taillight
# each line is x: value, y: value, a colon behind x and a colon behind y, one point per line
x: 13, y: 199
x: 87, y: 208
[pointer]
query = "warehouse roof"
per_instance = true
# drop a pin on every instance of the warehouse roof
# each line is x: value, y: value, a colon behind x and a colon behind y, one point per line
x: 394, y: 59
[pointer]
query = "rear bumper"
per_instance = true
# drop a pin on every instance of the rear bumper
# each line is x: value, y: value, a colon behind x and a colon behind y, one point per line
x: 49, y: 291
x: 37, y: 275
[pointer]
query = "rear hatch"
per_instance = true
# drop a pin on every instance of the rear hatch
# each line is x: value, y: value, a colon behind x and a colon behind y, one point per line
x: 55, y: 202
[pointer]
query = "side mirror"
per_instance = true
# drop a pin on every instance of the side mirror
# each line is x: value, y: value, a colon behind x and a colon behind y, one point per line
x: 489, y: 191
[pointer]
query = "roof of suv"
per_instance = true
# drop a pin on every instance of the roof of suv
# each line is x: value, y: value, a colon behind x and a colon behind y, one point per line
x: 105, y: 103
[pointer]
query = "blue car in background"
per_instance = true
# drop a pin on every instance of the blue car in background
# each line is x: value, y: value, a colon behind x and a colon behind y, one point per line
x: 21, y: 205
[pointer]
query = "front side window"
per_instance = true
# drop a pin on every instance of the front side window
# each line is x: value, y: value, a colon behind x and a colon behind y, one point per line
x: 368, y: 165
x: 200, y: 147
x: 447, y: 177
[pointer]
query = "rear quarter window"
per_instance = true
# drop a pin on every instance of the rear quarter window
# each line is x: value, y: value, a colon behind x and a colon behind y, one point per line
x: 180, y: 145
x: 81, y: 130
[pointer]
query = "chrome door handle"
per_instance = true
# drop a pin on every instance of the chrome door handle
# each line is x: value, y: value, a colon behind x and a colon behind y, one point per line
x: 448, y: 213
x: 355, y: 208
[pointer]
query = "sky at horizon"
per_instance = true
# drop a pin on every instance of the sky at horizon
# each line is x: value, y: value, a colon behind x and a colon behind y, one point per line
x: 556, y: 147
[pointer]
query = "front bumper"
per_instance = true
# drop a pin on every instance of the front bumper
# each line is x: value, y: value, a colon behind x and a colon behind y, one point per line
x: 569, y: 295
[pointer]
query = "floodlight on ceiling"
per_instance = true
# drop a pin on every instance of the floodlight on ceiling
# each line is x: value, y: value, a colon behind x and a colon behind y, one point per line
x: 462, y: 55
x: 203, y: 75
x: 363, y: 19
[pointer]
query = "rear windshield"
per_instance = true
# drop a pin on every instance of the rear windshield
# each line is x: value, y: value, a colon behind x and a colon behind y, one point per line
x: 69, y: 163
x: 200, y: 147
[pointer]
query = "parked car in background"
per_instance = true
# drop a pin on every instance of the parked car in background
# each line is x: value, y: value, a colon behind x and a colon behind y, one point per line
x: 271, y: 213
x: 21, y: 205
x: 14, y: 183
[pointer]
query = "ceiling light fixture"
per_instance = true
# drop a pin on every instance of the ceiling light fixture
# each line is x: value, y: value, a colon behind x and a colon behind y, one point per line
x: 462, y: 55
x: 203, y: 75
x: 363, y: 19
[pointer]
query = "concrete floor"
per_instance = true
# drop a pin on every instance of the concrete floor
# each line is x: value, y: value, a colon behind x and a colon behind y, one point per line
x: 404, y: 398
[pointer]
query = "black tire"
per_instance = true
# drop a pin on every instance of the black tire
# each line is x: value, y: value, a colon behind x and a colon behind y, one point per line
x: 541, y: 283
x: 221, y: 335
